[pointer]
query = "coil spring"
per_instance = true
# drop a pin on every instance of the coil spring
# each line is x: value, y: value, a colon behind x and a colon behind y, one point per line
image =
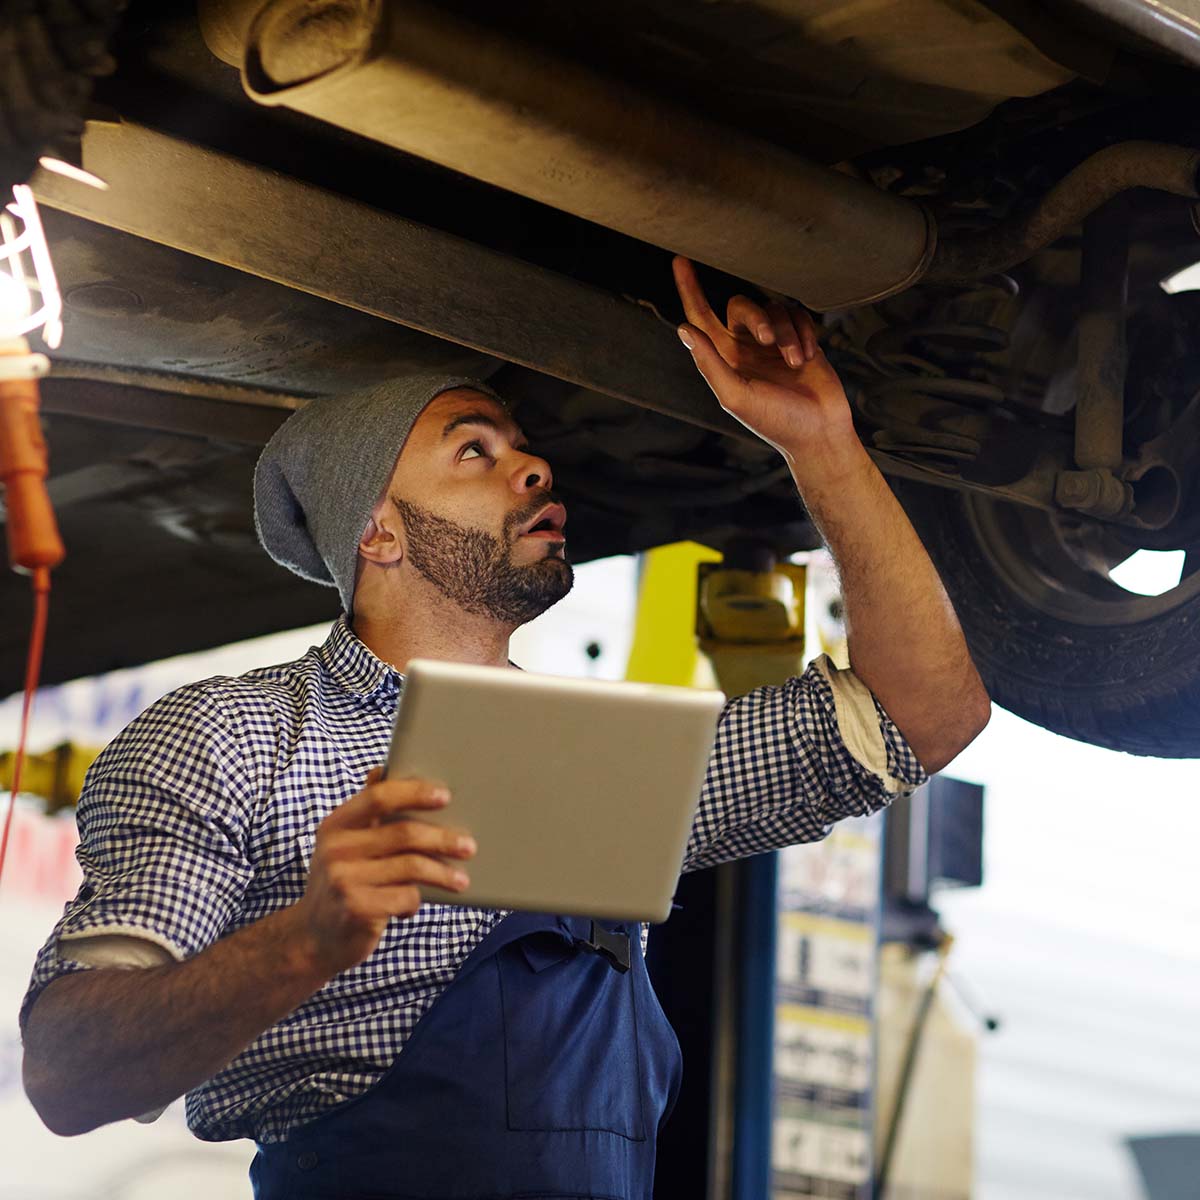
x: 927, y: 384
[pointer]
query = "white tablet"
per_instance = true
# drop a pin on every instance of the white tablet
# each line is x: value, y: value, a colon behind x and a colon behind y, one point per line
x: 580, y: 793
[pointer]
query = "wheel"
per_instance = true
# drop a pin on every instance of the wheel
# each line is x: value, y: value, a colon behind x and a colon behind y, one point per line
x: 1056, y: 639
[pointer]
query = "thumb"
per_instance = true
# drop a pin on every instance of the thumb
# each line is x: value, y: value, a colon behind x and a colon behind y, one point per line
x: 725, y: 382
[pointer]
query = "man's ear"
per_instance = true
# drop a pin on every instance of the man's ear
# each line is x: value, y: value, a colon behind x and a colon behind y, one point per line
x: 381, y: 541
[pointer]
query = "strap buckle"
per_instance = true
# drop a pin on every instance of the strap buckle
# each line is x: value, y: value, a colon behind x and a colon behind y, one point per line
x: 610, y: 945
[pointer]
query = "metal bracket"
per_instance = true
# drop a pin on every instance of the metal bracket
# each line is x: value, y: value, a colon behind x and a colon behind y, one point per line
x: 1101, y: 365
x: 1096, y: 491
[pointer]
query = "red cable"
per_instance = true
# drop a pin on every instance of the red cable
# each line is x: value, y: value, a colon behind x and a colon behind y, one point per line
x: 33, y: 671
x: 34, y: 544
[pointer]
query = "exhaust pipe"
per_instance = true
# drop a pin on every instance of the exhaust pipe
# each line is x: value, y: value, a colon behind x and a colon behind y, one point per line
x: 434, y: 85
x: 489, y: 106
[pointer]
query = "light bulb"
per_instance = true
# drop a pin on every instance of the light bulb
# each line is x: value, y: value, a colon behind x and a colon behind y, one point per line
x: 72, y: 172
x: 15, y: 304
x: 29, y: 295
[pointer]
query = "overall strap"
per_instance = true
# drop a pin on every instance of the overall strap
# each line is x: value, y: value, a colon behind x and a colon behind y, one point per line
x: 544, y: 1069
x: 617, y: 942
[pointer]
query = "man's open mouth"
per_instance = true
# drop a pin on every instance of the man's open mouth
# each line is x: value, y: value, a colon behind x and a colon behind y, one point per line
x: 547, y: 524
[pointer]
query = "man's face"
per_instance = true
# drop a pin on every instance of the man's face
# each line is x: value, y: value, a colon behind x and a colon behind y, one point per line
x: 479, y: 519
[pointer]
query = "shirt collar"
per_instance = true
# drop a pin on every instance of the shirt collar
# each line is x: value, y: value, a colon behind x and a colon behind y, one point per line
x: 352, y: 666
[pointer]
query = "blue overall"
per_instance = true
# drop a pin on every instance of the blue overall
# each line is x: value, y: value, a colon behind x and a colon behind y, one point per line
x: 544, y: 1070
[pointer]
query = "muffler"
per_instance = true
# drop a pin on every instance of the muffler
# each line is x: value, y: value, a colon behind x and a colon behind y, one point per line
x: 489, y: 106
x: 484, y: 103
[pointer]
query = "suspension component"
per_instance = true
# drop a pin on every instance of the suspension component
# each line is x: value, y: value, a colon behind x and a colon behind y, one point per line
x: 1100, y: 372
x: 926, y: 383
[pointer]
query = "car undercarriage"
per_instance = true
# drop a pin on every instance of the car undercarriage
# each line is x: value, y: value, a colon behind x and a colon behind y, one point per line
x: 980, y: 201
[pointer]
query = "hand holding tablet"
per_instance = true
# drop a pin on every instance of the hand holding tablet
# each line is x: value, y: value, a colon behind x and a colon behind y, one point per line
x: 579, y: 793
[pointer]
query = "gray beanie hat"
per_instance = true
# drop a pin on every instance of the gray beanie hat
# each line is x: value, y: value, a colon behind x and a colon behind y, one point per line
x: 323, y: 471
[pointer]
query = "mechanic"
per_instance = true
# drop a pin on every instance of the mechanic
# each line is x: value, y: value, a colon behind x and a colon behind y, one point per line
x: 249, y: 930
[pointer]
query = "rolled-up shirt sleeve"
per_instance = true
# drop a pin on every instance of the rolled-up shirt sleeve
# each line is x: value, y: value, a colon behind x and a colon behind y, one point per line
x: 163, y: 821
x: 790, y: 761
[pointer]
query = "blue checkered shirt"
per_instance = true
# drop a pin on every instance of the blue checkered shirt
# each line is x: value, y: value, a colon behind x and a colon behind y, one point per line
x: 200, y: 819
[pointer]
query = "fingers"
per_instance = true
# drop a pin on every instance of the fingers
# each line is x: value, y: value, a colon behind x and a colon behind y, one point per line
x: 400, y: 870
x: 695, y: 303
x: 371, y: 859
x: 774, y: 324
x: 749, y: 320
x: 803, y: 323
x: 393, y: 902
x: 725, y: 382
x: 399, y: 837
x: 385, y: 799
x: 791, y: 329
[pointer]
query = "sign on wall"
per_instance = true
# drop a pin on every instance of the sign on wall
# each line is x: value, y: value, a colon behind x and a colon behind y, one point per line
x: 826, y: 947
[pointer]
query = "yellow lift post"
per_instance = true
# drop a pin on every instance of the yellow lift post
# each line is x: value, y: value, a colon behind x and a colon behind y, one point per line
x: 738, y: 622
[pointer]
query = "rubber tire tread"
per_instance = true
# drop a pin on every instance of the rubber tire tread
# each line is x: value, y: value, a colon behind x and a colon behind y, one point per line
x: 1133, y: 688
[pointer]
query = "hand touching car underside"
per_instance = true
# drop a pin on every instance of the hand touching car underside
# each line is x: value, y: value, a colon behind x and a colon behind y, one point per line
x: 766, y: 369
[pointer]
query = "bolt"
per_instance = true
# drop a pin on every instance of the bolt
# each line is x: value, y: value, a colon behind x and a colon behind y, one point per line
x: 1095, y: 491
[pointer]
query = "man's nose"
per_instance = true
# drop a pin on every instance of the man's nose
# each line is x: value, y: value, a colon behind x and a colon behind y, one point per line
x: 531, y: 473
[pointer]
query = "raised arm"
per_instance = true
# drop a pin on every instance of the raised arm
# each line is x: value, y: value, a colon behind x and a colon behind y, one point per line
x: 766, y: 369
x: 105, y: 1044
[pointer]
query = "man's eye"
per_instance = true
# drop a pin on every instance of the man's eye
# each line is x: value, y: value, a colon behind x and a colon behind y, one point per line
x: 477, y: 447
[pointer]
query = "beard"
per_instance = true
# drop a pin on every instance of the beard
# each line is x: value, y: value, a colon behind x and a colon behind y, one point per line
x: 475, y: 570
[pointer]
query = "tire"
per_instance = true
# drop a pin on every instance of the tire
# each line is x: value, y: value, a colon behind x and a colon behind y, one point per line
x: 1056, y: 641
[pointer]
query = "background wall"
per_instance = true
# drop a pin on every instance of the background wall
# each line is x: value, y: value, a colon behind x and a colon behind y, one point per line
x: 1084, y: 941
